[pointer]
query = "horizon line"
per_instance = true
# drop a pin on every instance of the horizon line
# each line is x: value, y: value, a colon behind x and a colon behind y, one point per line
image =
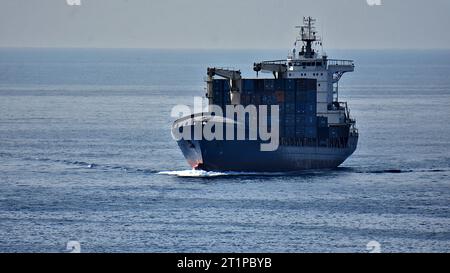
x: 217, y: 48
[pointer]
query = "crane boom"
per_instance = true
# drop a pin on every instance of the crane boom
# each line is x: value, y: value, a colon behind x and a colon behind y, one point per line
x: 235, y: 82
x: 276, y: 67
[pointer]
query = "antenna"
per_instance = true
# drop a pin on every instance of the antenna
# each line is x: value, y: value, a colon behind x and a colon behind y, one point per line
x: 310, y: 39
x: 323, y: 35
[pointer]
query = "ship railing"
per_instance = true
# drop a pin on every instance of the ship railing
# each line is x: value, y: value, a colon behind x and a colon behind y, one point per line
x: 230, y: 68
x: 274, y: 62
x: 340, y: 62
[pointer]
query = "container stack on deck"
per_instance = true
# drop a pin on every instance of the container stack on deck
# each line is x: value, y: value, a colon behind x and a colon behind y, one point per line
x: 297, y: 101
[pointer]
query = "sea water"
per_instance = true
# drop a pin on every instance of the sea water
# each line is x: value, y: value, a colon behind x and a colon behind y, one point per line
x: 86, y: 155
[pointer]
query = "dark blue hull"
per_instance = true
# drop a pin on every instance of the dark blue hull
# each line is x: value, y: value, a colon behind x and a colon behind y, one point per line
x: 246, y: 156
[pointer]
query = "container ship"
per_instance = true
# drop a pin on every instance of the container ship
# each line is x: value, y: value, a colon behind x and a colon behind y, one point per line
x: 316, y: 130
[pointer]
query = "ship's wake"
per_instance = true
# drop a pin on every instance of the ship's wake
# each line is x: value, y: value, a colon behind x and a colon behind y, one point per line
x: 212, y: 174
x: 206, y: 174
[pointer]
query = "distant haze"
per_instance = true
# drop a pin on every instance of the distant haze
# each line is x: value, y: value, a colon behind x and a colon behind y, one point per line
x: 223, y: 24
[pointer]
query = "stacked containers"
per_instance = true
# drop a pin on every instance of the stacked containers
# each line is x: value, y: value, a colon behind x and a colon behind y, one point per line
x: 218, y: 91
x: 289, y: 109
x: 322, y: 130
x: 226, y: 94
x: 306, y: 108
x: 221, y: 92
x: 296, y: 98
x: 280, y: 98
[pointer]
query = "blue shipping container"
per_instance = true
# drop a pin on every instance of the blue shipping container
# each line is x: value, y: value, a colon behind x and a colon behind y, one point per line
x: 311, y: 96
x: 311, y: 121
x: 289, y: 97
x: 248, y: 85
x: 311, y: 132
x: 322, y: 122
x: 300, y: 121
x: 300, y: 108
x: 301, y: 85
x: 290, y: 85
x: 218, y: 85
x: 269, y: 85
x: 300, y: 97
x: 322, y: 133
x: 279, y: 84
x: 289, y: 131
x: 311, y: 109
x: 289, y: 120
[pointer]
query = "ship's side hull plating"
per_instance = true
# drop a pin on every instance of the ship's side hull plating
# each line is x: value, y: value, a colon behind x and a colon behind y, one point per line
x: 245, y: 155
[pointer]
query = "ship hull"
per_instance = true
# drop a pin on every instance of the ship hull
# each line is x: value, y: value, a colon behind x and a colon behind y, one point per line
x: 246, y: 156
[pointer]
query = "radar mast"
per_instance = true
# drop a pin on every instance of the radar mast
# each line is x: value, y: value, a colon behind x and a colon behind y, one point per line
x: 308, y: 36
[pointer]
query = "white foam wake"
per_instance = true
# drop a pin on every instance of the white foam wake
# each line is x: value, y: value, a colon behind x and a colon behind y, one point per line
x: 193, y: 173
x: 200, y: 173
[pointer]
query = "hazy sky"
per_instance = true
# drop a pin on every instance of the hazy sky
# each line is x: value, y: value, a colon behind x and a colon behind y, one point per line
x: 222, y: 23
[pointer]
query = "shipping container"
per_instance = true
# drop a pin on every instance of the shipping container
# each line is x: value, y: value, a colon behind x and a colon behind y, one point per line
x: 226, y: 86
x: 300, y: 97
x: 259, y: 85
x: 227, y: 98
x: 300, y: 132
x: 290, y: 85
x: 268, y: 99
x: 301, y: 85
x: 256, y: 100
x: 311, y: 96
x: 289, y: 107
x: 248, y: 85
x: 280, y: 96
x: 311, y: 132
x: 322, y: 122
x: 306, y: 121
x: 289, y: 131
x: 289, y: 96
x: 311, y: 121
x: 300, y: 121
x: 311, y: 84
x: 218, y: 84
x: 300, y: 109
x: 289, y: 120
x: 311, y: 109
x: 279, y: 84
x: 281, y: 121
x: 282, y: 109
x: 269, y: 85
x: 306, y: 84
x: 322, y: 133
x: 297, y: 105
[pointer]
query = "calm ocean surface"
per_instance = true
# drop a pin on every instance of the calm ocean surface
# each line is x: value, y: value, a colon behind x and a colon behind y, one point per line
x: 86, y: 154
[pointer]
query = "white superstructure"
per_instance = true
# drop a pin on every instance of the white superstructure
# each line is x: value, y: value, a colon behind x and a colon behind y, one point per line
x: 305, y: 61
